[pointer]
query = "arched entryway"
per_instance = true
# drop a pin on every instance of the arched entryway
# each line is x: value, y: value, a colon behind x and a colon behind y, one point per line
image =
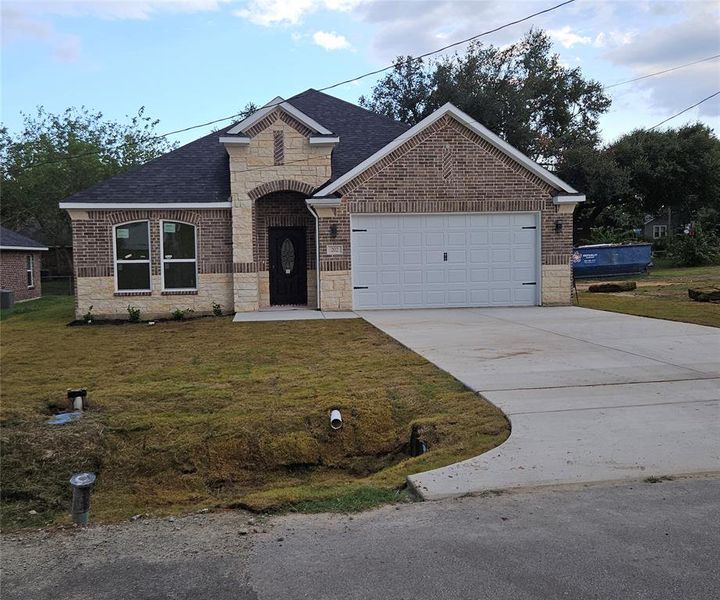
x: 285, y: 248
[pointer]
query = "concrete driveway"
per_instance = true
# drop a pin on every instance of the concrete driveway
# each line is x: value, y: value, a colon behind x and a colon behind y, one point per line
x: 591, y: 395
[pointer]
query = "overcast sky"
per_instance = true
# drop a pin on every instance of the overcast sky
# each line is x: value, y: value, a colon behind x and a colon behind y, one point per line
x: 190, y: 61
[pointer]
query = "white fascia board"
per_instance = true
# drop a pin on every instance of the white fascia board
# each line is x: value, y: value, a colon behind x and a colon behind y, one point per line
x: 568, y: 198
x: 323, y: 140
x: 23, y: 248
x: 323, y: 202
x: 148, y: 205
x: 471, y: 124
x: 225, y: 139
x: 278, y: 102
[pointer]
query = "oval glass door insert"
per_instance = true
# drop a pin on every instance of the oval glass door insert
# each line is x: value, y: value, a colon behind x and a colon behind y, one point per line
x: 287, y: 256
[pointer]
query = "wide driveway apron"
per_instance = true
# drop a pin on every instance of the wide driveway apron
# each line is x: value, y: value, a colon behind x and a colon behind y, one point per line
x: 591, y: 395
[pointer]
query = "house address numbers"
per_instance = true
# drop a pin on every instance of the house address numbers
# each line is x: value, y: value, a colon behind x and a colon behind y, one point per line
x: 334, y: 249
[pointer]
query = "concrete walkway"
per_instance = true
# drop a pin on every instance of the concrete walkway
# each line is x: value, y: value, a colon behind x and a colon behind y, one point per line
x: 591, y: 395
x: 291, y: 314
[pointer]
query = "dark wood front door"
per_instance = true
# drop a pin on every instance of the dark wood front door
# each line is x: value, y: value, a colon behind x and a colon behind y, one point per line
x: 288, y: 265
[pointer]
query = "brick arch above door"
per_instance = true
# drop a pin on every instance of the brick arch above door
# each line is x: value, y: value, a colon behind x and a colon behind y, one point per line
x: 281, y: 185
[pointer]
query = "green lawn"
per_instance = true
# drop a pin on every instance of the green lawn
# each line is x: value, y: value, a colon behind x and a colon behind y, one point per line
x: 205, y: 413
x: 661, y: 294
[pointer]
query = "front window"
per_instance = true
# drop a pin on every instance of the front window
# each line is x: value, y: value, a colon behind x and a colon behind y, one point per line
x: 132, y: 256
x: 179, y: 256
x: 659, y: 231
x: 29, y: 268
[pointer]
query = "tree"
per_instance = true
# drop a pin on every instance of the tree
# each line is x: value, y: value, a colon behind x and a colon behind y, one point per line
x: 520, y: 92
x: 677, y: 169
x: 56, y: 155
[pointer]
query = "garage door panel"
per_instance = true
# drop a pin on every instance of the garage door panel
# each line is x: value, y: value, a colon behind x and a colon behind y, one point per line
x: 444, y: 260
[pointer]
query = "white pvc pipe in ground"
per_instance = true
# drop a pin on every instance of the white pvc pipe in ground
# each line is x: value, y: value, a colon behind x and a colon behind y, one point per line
x: 336, y: 421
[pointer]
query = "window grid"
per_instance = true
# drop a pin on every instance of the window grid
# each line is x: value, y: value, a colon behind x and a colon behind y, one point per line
x: 120, y: 261
x: 164, y: 260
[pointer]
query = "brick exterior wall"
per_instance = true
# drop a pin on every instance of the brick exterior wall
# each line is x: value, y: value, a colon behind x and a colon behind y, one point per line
x: 13, y: 274
x: 94, y: 269
x: 448, y: 168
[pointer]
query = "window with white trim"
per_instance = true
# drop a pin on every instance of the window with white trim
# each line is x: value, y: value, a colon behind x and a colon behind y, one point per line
x: 30, y: 269
x: 659, y: 231
x: 178, y: 248
x: 132, y: 256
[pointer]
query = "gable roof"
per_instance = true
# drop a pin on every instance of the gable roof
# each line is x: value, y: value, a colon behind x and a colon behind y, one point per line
x: 12, y: 240
x: 198, y: 173
x: 473, y: 125
x: 280, y: 104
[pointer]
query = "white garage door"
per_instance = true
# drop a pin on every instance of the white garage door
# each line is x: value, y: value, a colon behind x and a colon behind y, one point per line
x: 433, y: 261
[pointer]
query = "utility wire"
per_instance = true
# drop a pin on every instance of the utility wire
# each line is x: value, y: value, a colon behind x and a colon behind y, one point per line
x: 323, y: 89
x: 684, y: 111
x: 607, y: 87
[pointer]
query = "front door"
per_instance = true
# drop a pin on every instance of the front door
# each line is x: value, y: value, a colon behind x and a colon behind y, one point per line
x: 288, y: 268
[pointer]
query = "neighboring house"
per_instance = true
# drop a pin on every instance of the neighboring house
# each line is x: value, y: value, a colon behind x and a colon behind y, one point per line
x: 315, y: 201
x: 20, y: 264
x: 667, y: 223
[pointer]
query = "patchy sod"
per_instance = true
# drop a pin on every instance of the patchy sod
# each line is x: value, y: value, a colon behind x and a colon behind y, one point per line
x: 210, y: 413
x: 662, y: 294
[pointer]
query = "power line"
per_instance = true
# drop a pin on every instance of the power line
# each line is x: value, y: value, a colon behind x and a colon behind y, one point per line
x: 607, y: 87
x: 684, y: 111
x: 328, y: 87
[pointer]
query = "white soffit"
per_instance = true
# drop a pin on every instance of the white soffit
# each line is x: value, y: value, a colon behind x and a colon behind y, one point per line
x: 471, y: 124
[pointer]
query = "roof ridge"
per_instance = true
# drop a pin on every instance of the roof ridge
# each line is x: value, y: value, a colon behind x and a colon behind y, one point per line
x: 353, y: 105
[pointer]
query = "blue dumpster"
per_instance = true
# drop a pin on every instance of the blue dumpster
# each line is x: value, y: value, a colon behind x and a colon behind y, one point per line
x: 605, y: 260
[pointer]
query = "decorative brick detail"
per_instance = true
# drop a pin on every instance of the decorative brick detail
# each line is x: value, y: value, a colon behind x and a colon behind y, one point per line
x: 327, y: 264
x: 278, y: 147
x: 179, y: 293
x: 447, y: 161
x: 244, y: 268
x: 13, y: 274
x: 281, y: 185
x: 129, y: 294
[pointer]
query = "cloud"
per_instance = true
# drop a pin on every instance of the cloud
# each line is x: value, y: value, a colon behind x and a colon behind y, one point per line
x: 289, y: 12
x: 567, y: 38
x: 330, y: 40
x: 17, y: 26
x: 613, y: 38
x: 690, y: 36
x: 115, y: 9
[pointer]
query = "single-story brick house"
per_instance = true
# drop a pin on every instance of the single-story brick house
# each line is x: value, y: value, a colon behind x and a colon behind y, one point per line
x: 20, y: 264
x: 315, y: 201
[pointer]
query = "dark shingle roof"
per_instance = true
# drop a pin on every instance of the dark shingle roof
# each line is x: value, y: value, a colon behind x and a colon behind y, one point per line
x: 10, y: 238
x: 199, y: 171
x: 361, y: 132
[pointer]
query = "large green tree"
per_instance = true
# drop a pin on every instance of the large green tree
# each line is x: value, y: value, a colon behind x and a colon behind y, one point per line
x: 646, y: 172
x: 521, y: 92
x: 56, y: 155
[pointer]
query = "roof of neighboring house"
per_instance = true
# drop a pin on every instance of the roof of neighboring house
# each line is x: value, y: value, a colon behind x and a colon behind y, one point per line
x: 12, y: 240
x: 199, y: 172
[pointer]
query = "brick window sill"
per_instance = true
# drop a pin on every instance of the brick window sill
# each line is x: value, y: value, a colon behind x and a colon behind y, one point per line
x: 127, y: 294
x: 179, y: 293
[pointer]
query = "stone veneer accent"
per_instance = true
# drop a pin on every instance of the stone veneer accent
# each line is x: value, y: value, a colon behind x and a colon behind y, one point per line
x: 335, y: 290
x: 107, y: 304
x: 253, y: 174
x: 13, y: 273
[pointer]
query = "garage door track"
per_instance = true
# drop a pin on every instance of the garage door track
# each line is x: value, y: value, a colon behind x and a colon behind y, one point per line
x: 591, y: 395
